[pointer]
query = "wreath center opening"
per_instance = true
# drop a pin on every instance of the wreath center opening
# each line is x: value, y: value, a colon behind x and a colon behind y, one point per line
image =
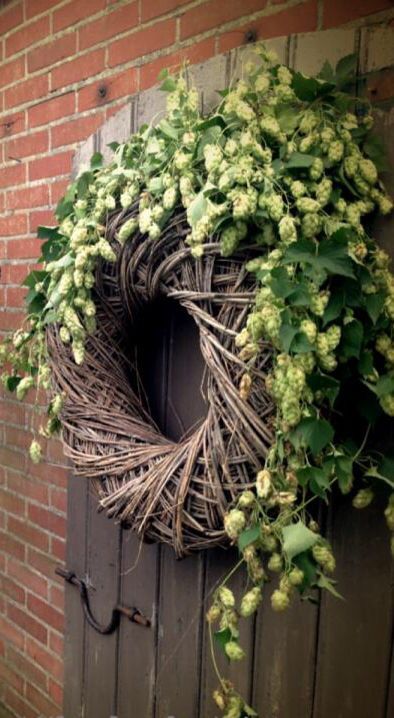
x: 171, y: 367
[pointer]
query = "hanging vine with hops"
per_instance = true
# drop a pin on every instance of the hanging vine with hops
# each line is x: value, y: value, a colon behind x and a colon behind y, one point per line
x: 288, y: 163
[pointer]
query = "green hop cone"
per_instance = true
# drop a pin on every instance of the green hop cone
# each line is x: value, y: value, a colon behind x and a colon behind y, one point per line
x: 234, y: 523
x: 35, y: 452
x: 280, y: 600
x: 363, y: 498
x: 234, y: 651
x: 250, y: 602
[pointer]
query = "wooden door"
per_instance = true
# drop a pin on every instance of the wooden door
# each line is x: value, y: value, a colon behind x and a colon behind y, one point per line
x: 315, y: 661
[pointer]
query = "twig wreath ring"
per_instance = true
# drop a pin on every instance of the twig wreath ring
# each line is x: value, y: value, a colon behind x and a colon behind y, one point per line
x: 177, y: 493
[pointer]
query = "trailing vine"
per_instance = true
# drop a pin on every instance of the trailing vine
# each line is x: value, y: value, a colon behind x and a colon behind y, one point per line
x: 290, y: 164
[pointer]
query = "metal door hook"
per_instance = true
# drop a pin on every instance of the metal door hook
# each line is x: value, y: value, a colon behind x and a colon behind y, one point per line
x: 133, y: 614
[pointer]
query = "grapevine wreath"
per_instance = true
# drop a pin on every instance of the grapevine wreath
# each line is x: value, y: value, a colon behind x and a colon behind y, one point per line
x: 256, y: 219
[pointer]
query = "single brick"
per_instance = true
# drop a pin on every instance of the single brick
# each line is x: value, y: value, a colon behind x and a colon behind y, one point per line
x: 150, y: 10
x: 213, y: 14
x: 337, y: 12
x: 12, y: 71
x: 81, y: 68
x: 44, y: 658
x: 17, y: 704
x: 75, y: 130
x: 28, y: 623
x: 13, y: 225
x: 27, y: 668
x: 52, y: 166
x: 31, y: 580
x: 121, y: 85
x: 10, y: 18
x: 47, y: 519
x: 28, y: 35
x: 106, y: 27
x: 75, y: 11
x: 40, y: 701
x: 34, y: 196
x: 12, y: 175
x: 48, y: 615
x: 156, y: 37
x: 297, y: 18
x: 26, y: 91
x: 32, y: 144
x: 32, y: 535
x: 9, y: 588
x: 197, y: 52
x: 53, y: 109
x: 10, y: 677
x: 51, y: 52
x: 28, y: 248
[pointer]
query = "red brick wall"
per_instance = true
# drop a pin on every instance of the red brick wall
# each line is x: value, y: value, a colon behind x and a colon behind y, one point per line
x: 55, y: 57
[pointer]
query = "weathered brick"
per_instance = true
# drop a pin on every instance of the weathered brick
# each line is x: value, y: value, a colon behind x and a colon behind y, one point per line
x: 34, y: 196
x: 198, y: 52
x: 31, y: 580
x: 120, y: 85
x: 12, y: 124
x: 49, y: 53
x: 150, y: 10
x: 50, y: 110
x: 10, y: 18
x: 213, y: 14
x: 28, y: 35
x: 337, y: 12
x: 32, y: 535
x: 113, y: 23
x: 12, y: 71
x: 31, y: 89
x: 142, y: 42
x: 13, y: 225
x: 47, y: 519
x: 75, y: 130
x: 28, y: 623
x: 40, y: 701
x: 30, y: 488
x: 81, y: 68
x: 59, y: 164
x: 11, y: 503
x: 44, y: 658
x: 10, y: 677
x: 297, y: 18
x: 74, y: 11
x: 32, y: 144
x: 23, y: 248
x: 48, y: 615
x: 17, y: 704
x: 40, y: 217
x: 12, y: 175
x: 27, y: 668
x: 11, y: 633
x: 36, y: 7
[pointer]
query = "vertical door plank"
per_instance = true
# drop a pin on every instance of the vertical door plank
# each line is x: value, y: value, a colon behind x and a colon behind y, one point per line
x: 75, y: 621
x: 284, y: 659
x: 180, y: 619
x: 355, y: 634
x: 103, y: 579
x: 390, y: 688
x: 137, y: 645
x: 219, y: 564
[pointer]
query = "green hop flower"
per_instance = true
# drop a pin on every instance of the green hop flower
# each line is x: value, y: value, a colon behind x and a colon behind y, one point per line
x: 234, y: 523
x: 363, y: 498
x: 35, y: 452
x: 234, y: 651
x: 280, y: 600
x: 250, y: 602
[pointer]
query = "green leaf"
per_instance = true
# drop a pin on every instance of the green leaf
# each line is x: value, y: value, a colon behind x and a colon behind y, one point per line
x: 304, y: 562
x: 375, y: 149
x: 327, y: 73
x: 384, y: 471
x: 314, y: 478
x: 96, y: 161
x: 288, y: 118
x: 374, y: 304
x: 384, y: 385
x: 365, y: 365
x: 113, y: 146
x: 280, y: 283
x: 197, y: 209
x: 335, y: 306
x: 352, y: 339
x: 169, y: 130
x: 344, y: 472
x: 297, y: 538
x: 248, y: 536
x: 346, y: 70
x: 313, y: 434
x: 37, y: 275
x: 329, y: 585
x: 215, y: 121
x: 327, y: 385
x: 286, y: 336
x: 298, y: 160
x: 308, y: 89
x: 301, y: 251
x: 169, y: 85
x: 210, y: 136
x: 37, y: 304
x: 12, y: 382
x: 222, y: 637
x: 301, y: 344
x: 49, y: 232
x: 333, y: 256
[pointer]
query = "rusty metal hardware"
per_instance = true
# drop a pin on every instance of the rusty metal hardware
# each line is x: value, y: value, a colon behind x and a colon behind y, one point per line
x: 133, y: 614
